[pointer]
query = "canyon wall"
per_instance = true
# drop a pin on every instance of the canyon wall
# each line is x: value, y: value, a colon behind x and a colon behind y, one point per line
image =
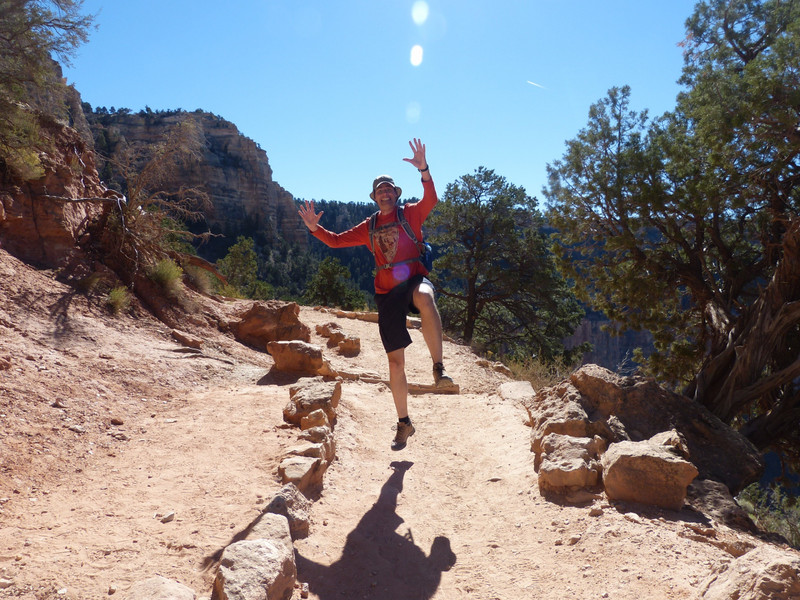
x: 232, y: 169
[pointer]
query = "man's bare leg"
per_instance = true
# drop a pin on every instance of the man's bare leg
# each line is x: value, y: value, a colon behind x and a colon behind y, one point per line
x: 431, y: 320
x: 398, y: 381
x: 399, y: 385
x: 432, y: 331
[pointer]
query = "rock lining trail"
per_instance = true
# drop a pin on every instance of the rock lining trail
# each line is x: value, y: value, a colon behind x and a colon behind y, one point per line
x: 108, y: 430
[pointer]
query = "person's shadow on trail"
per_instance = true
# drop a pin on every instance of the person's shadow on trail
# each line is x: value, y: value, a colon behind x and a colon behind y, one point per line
x: 377, y: 562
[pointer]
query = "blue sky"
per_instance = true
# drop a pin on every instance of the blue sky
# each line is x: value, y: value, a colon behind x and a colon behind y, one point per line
x: 329, y: 89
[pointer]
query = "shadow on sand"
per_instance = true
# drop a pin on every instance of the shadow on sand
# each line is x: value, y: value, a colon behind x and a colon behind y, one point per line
x: 377, y: 562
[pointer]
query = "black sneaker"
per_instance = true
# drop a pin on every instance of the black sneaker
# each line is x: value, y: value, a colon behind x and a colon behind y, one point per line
x: 440, y: 376
x: 404, y: 431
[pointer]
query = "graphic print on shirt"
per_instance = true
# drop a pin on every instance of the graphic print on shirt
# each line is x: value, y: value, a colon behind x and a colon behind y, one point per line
x: 386, y: 238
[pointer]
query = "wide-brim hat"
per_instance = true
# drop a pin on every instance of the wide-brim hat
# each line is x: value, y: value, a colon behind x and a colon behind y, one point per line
x: 380, y: 180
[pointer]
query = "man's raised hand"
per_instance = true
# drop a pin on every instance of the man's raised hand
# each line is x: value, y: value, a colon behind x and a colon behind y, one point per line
x: 418, y: 160
x: 310, y: 218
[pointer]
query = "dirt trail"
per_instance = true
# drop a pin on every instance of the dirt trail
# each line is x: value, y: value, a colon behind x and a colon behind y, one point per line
x: 122, y: 459
x: 467, y: 480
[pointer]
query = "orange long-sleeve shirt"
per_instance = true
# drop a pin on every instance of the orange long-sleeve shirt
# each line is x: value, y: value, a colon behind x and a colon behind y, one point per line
x: 392, y: 245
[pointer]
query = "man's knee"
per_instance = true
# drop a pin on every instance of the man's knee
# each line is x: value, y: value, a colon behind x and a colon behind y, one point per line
x: 424, y: 298
x: 397, y: 359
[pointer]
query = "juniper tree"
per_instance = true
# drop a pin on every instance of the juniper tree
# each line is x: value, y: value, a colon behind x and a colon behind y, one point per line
x: 32, y: 32
x: 688, y: 225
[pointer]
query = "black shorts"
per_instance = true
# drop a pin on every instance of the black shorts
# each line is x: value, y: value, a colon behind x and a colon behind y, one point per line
x: 393, y: 308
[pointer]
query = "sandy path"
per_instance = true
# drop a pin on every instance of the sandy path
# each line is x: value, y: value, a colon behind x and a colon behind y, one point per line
x: 457, y: 514
x: 461, y: 516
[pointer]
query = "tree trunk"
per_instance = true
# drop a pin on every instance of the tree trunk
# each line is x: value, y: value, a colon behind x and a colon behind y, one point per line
x: 472, y: 311
x: 754, y: 372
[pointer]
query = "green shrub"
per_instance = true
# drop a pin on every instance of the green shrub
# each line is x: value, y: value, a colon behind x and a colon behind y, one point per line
x: 773, y: 509
x: 540, y: 374
x: 119, y: 300
x: 89, y: 284
x: 199, y: 279
x: 167, y: 275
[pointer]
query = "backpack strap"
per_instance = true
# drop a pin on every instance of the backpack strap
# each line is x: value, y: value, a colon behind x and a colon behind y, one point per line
x: 409, y: 232
x: 371, y: 239
x: 401, y: 219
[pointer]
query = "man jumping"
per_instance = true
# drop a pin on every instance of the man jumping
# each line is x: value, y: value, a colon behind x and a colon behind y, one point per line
x: 401, y: 284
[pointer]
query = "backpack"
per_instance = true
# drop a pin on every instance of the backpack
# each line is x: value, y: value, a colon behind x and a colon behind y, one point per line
x: 424, y: 249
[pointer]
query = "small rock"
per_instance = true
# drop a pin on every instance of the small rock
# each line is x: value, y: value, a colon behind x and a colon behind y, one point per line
x: 112, y: 589
x: 170, y: 516
x: 574, y: 540
x: 117, y: 421
x: 304, y: 591
x: 596, y: 511
x: 76, y: 429
x: 58, y: 404
x: 186, y: 339
x: 316, y: 418
x: 5, y: 584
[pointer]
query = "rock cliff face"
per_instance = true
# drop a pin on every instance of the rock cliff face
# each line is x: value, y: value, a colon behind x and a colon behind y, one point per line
x: 233, y: 169
x: 610, y: 351
x: 38, y: 221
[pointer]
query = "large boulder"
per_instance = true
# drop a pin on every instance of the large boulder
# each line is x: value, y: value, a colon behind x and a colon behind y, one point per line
x: 651, y: 432
x: 556, y: 411
x: 647, y: 472
x: 270, y: 321
x: 274, y: 527
x: 256, y: 570
x: 306, y: 472
x: 714, y: 499
x: 348, y: 345
x: 159, y: 588
x: 323, y: 435
x: 311, y: 395
x: 292, y: 504
x: 570, y: 463
x: 644, y: 408
x: 299, y: 357
x: 765, y: 573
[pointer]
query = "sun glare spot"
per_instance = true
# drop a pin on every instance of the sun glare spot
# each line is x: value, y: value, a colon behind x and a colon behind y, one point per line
x: 416, y: 55
x: 419, y: 12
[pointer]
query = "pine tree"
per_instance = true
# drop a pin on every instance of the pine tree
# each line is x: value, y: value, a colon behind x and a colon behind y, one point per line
x: 495, y: 272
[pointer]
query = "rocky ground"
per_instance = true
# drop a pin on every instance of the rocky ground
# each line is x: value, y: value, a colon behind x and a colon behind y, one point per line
x: 124, y: 456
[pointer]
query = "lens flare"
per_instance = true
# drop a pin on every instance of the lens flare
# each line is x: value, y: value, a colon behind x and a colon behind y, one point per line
x: 413, y: 112
x: 419, y: 12
x: 416, y: 55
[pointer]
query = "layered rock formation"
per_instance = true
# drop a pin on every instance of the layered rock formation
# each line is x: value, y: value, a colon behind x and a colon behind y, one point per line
x: 232, y: 168
x: 40, y: 220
